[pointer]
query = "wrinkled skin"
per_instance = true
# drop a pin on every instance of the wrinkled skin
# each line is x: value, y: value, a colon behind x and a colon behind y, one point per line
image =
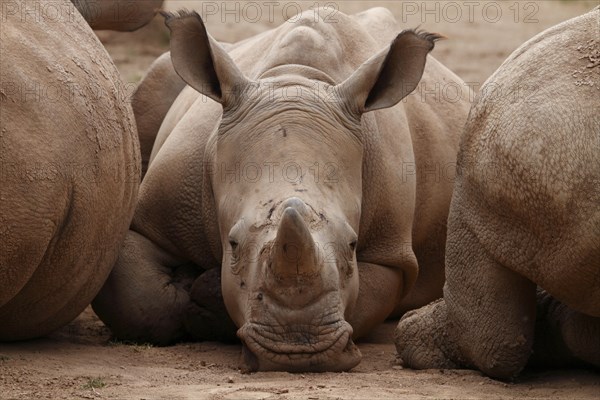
x: 308, y: 263
x: 151, y: 102
x: 525, y: 212
x: 118, y: 15
x: 70, y: 170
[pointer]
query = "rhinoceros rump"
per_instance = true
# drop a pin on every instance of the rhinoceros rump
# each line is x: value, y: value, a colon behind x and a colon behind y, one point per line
x: 69, y: 168
x: 525, y: 213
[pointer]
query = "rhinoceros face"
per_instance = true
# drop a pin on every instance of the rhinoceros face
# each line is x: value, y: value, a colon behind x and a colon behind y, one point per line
x: 290, y: 292
x: 287, y: 189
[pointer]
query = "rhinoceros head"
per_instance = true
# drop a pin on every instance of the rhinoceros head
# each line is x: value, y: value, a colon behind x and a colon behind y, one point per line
x: 287, y: 186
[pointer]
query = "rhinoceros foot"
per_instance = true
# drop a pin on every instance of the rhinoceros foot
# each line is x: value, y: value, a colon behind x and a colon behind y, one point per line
x: 420, y: 339
x: 206, y: 316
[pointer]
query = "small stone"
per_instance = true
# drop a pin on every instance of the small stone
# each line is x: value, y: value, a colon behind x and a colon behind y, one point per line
x: 229, y: 379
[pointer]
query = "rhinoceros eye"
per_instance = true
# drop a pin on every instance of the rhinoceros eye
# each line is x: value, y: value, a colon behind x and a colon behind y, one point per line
x: 235, y: 254
x: 235, y: 234
x: 353, y: 244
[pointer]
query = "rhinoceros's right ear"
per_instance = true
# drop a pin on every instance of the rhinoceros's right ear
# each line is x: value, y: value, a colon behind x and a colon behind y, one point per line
x: 200, y: 61
x: 390, y: 75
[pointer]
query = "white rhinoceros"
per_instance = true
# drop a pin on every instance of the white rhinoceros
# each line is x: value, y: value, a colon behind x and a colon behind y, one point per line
x: 318, y: 210
x: 525, y: 212
x: 69, y: 169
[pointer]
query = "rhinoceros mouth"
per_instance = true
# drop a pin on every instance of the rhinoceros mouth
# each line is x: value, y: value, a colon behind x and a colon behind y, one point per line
x: 297, y: 349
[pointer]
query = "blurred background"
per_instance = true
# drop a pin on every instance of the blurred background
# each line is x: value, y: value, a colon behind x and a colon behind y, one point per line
x: 481, y: 34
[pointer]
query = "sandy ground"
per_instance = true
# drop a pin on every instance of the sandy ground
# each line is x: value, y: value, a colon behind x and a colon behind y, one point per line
x: 80, y: 361
x: 481, y: 34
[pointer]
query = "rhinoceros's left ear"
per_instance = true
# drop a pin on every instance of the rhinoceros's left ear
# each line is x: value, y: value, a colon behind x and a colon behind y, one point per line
x: 389, y: 76
x: 202, y: 62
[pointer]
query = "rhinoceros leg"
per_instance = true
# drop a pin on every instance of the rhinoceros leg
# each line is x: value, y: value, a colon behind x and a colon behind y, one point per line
x: 378, y: 295
x: 150, y: 296
x: 421, y: 338
x: 146, y: 295
x: 487, y: 317
x: 564, y: 336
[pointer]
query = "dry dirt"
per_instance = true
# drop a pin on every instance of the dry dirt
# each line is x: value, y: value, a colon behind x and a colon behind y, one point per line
x: 80, y: 361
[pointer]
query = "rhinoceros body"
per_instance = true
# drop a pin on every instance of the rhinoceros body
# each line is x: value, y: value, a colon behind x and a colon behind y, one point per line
x: 300, y: 175
x: 525, y: 212
x: 116, y: 14
x: 69, y: 169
